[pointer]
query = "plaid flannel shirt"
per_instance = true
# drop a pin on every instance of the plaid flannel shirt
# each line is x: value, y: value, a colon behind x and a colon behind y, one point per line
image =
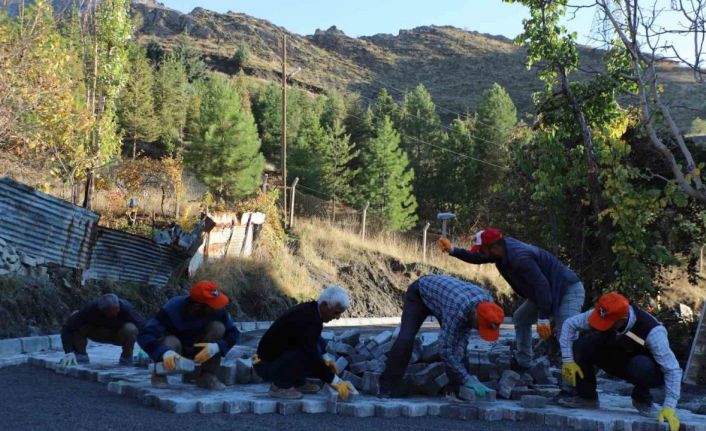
x: 656, y: 342
x: 451, y: 301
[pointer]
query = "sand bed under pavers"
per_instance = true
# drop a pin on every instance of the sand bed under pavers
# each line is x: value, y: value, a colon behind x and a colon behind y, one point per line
x: 616, y: 413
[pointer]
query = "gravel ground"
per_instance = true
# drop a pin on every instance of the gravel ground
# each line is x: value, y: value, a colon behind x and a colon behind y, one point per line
x: 38, y: 399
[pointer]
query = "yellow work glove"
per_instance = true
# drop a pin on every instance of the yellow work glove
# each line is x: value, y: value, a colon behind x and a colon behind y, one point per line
x: 332, y: 365
x: 569, y: 371
x: 670, y: 415
x: 445, y: 245
x: 544, y: 328
x: 342, y: 386
x: 169, y: 359
x: 256, y: 359
x: 208, y: 350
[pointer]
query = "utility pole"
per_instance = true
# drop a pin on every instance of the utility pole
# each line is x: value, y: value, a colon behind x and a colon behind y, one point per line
x: 283, y: 144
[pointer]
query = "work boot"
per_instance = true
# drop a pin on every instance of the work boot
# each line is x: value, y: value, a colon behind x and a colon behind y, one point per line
x: 645, y: 408
x: 159, y: 381
x: 515, y: 366
x: 209, y: 381
x: 578, y: 403
x: 126, y: 361
x: 288, y: 393
x: 82, y: 358
x: 308, y: 388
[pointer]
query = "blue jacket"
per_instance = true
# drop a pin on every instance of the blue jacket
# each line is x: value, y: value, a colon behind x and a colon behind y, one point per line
x: 170, y: 320
x: 532, y: 272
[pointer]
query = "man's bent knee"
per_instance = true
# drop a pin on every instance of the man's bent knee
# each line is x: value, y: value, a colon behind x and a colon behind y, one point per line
x: 214, y: 331
x: 172, y: 343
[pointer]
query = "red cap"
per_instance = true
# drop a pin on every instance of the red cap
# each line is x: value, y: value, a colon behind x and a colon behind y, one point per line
x: 610, y: 308
x: 486, y: 236
x: 207, y: 292
x: 489, y: 316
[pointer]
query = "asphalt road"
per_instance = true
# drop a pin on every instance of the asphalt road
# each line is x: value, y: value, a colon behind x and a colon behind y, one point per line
x: 38, y: 399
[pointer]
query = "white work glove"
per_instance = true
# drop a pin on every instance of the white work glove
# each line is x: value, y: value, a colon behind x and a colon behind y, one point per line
x: 69, y: 360
x: 208, y: 350
x: 169, y: 359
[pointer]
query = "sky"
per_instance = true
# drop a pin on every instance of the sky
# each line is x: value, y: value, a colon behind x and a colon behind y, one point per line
x: 369, y: 17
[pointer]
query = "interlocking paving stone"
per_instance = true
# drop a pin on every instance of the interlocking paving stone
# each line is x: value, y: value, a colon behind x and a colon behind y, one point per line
x: 314, y: 406
x: 35, y: 344
x: 618, y: 414
x: 10, y: 347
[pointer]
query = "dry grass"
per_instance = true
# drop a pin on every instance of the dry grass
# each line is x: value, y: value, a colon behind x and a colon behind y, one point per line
x: 346, y: 244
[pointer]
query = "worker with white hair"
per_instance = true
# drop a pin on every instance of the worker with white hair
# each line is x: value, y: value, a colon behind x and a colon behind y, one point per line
x: 290, y: 351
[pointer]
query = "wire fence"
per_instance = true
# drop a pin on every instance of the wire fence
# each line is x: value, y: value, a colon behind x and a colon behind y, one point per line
x: 310, y: 203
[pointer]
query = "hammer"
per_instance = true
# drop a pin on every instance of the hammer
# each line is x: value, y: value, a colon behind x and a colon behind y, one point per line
x: 445, y: 218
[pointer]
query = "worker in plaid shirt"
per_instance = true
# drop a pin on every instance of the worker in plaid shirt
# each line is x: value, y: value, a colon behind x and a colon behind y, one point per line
x: 459, y: 306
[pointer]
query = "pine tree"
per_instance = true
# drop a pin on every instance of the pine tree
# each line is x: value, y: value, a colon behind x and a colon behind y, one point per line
x: 303, y: 160
x: 453, y: 181
x: 268, y: 114
x: 420, y: 128
x: 154, y: 52
x: 226, y: 157
x: 189, y: 55
x: 492, y: 132
x: 334, y: 110
x: 385, y: 106
x: 387, y: 179
x: 135, y: 105
x: 170, y: 91
x: 335, y: 158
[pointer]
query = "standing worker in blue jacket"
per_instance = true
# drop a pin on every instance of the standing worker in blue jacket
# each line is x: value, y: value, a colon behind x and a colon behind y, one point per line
x: 550, y: 289
x: 108, y: 319
x: 195, y: 326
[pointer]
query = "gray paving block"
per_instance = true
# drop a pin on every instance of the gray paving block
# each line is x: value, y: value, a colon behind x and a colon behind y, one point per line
x: 341, y: 364
x: 35, y: 344
x: 388, y: 410
x: 428, y: 374
x: 434, y: 408
x: 540, y: 371
x: 359, y: 410
x: 555, y: 420
x: 430, y: 350
x: 261, y: 407
x: 489, y: 396
x: 210, y: 406
x: 507, y: 383
x: 350, y: 337
x: 55, y: 342
x: 244, y: 371
x: 359, y: 367
x: 513, y: 415
x: 533, y: 401
x: 116, y: 387
x: 235, y: 407
x: 466, y: 394
x: 178, y: 405
x: 534, y: 416
x: 371, y: 382
x: 314, y: 406
x: 382, y: 337
x: 350, y: 377
x: 227, y: 374
x: 414, y: 409
x: 289, y: 407
x: 490, y: 413
x: 449, y: 411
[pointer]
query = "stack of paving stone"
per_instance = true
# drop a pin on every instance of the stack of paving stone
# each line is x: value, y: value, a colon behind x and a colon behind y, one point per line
x: 361, y: 358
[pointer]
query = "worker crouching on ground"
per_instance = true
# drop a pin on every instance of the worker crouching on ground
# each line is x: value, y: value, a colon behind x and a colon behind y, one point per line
x: 458, y: 306
x: 550, y: 289
x: 625, y: 342
x: 107, y: 319
x: 290, y: 350
x: 195, y: 326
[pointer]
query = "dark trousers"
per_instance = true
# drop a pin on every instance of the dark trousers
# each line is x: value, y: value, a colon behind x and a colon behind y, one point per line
x: 289, y: 369
x: 213, y: 332
x: 598, y: 350
x: 414, y: 312
x: 125, y: 337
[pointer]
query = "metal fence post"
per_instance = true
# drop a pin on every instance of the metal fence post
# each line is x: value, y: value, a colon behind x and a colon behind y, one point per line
x: 424, y: 242
x: 365, y: 214
x: 264, y: 183
x: 291, y: 199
